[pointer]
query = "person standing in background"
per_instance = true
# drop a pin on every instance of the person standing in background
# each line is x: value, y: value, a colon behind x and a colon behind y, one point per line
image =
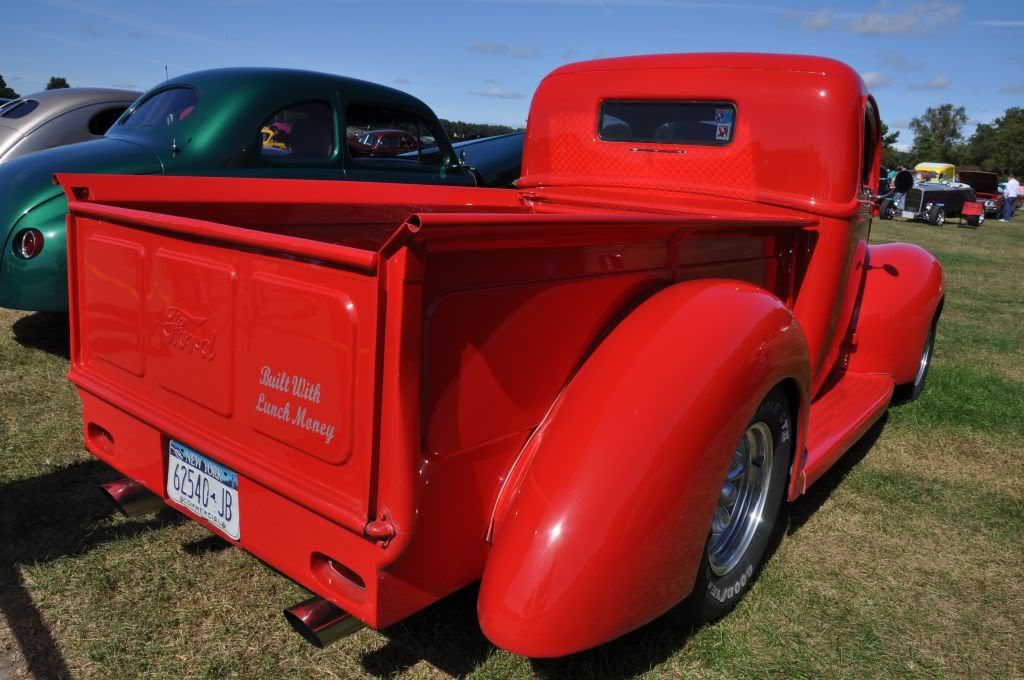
x: 1009, y: 197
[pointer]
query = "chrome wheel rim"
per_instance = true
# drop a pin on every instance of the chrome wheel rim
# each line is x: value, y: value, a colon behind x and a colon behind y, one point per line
x: 926, y: 358
x: 940, y: 219
x: 742, y: 499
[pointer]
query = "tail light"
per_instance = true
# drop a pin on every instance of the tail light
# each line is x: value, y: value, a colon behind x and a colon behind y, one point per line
x: 28, y: 243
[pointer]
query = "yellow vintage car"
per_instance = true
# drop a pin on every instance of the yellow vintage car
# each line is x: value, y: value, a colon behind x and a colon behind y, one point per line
x: 940, y: 172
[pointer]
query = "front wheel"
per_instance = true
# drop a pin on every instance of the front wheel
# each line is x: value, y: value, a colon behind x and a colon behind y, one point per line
x: 937, y: 216
x: 911, y: 391
x: 748, y: 506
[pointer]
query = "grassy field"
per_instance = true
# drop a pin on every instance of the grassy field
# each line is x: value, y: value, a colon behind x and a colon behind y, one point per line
x: 906, y: 560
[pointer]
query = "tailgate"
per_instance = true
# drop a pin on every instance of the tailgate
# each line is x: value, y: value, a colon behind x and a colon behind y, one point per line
x: 256, y: 349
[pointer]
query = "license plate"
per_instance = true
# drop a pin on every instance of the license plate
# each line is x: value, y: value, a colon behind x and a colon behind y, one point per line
x: 208, y: 489
x: 907, y: 214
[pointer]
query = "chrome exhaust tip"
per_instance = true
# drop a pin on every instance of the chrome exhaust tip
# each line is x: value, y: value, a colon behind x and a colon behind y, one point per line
x: 131, y: 498
x: 321, y: 623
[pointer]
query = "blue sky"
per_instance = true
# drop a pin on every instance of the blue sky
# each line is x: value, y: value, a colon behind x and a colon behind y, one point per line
x: 480, y: 60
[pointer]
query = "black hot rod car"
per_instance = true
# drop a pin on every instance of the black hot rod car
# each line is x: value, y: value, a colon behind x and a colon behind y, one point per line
x: 931, y: 196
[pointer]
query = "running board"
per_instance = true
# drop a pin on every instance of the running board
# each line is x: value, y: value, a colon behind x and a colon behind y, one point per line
x: 841, y: 416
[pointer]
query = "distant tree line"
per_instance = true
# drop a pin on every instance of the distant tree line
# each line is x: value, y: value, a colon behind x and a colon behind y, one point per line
x: 459, y: 131
x: 939, y: 137
x: 55, y: 83
x: 6, y: 92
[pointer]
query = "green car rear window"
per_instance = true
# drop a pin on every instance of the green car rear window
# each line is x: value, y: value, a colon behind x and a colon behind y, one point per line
x: 165, y: 108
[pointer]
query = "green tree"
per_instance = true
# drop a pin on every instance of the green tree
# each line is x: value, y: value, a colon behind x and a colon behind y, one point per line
x: 1008, y: 154
x: 980, y: 149
x: 938, y: 134
x: 459, y: 131
x: 5, y: 91
x: 890, y: 154
x: 56, y: 83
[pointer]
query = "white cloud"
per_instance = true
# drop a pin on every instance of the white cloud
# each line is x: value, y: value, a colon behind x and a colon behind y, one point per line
x: 894, y: 59
x: 1012, y: 89
x: 500, y: 93
x: 939, y: 83
x: 489, y: 48
x: 816, y: 21
x: 525, y: 52
x: 1000, y: 23
x: 917, y: 18
x: 875, y: 80
x: 496, y: 49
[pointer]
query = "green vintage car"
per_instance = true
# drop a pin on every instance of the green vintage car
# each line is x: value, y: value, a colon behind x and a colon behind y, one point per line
x: 216, y: 123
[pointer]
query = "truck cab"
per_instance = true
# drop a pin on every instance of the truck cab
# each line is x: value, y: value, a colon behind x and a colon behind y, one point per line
x: 592, y: 393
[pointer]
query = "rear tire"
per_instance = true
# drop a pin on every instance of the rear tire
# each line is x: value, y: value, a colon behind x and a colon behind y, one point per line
x: 739, y: 536
x: 937, y: 216
x: 885, y: 210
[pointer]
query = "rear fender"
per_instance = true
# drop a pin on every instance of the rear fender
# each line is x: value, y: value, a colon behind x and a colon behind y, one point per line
x: 603, y: 524
x: 39, y: 284
x: 903, y: 290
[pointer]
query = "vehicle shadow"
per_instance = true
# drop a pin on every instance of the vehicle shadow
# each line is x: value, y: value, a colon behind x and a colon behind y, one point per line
x: 447, y: 634
x: 46, y: 331
x: 35, y: 530
x: 804, y: 507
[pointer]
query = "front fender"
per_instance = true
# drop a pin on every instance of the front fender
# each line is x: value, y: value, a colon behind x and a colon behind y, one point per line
x: 39, y: 284
x: 903, y: 288
x: 606, y: 522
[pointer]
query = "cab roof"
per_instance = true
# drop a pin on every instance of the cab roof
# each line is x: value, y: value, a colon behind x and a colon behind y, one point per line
x: 710, y: 60
x: 795, y: 139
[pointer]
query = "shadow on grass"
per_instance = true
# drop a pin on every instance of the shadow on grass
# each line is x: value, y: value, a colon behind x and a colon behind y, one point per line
x: 46, y: 331
x: 804, y: 507
x: 46, y: 518
x: 447, y: 636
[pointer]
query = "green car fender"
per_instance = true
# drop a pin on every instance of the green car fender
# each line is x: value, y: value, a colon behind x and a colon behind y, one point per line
x: 41, y: 283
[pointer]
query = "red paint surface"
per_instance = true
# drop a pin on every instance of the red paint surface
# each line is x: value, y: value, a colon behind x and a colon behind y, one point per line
x: 538, y: 386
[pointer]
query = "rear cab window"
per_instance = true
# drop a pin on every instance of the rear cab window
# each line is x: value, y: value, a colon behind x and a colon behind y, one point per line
x: 164, y: 109
x: 667, y: 122
x: 390, y: 136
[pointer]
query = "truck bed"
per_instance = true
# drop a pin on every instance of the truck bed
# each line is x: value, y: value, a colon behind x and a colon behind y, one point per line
x: 359, y: 354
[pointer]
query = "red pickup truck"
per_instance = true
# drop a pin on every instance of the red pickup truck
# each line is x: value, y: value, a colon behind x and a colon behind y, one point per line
x: 592, y: 393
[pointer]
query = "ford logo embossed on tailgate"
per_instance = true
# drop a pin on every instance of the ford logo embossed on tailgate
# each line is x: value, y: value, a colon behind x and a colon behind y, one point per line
x: 186, y: 332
